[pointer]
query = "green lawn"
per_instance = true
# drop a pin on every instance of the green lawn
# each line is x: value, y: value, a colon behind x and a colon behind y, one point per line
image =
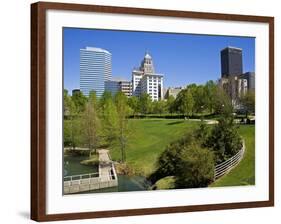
x: 148, y: 139
x: 244, y: 172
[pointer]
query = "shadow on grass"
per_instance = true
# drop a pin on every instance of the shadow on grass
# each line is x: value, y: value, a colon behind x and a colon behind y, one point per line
x: 176, y: 122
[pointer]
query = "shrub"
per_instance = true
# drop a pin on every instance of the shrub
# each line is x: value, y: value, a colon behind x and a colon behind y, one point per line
x: 164, y: 183
x: 195, y: 168
x: 168, y: 160
x: 224, y: 139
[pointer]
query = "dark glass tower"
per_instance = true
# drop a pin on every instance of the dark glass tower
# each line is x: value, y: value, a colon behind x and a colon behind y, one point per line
x: 231, y: 61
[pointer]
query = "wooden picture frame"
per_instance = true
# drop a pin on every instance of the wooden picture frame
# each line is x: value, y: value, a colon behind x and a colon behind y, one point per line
x: 39, y: 105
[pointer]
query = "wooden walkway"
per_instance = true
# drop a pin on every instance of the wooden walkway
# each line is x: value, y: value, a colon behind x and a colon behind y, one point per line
x: 106, y: 177
x: 105, y: 165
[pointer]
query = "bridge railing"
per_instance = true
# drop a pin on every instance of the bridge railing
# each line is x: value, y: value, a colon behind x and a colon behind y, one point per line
x: 229, y: 164
x: 81, y: 176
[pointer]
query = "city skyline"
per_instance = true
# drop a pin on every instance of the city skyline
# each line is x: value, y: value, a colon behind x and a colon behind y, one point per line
x: 184, y: 58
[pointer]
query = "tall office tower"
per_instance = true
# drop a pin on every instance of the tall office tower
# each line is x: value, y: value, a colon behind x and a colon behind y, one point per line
x: 95, y: 69
x: 152, y: 84
x: 231, y: 62
x: 145, y: 80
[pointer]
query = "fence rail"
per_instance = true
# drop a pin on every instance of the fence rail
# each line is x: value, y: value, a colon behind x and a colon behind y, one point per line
x: 92, y: 181
x: 229, y: 164
x: 81, y: 176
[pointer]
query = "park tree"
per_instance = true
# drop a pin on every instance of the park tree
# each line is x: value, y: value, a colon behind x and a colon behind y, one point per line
x: 224, y: 139
x: 222, y: 103
x: 202, y: 133
x: 79, y: 101
x: 133, y: 103
x: 247, y: 101
x: 122, y: 123
x: 159, y: 107
x: 191, y: 164
x: 72, y: 135
x: 195, y: 168
x: 185, y: 102
x: 145, y: 103
x: 210, y: 90
x: 109, y: 120
x: 167, y: 163
x: 170, y: 104
x: 200, y: 98
x: 91, y: 123
x: 66, y: 103
x: 103, y: 99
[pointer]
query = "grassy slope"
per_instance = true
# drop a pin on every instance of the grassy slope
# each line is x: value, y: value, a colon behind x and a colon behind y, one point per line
x: 244, y: 172
x: 148, y: 140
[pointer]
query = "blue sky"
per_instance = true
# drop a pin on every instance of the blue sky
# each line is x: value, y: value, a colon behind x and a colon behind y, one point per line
x: 182, y: 58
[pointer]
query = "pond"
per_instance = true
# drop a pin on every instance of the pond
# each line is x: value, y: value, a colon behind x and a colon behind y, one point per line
x: 72, y: 166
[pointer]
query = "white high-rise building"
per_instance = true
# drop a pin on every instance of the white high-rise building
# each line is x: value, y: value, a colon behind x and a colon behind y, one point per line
x: 145, y: 80
x: 95, y: 69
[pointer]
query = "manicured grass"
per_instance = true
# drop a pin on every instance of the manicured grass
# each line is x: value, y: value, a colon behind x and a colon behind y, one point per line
x: 148, y: 139
x: 244, y: 172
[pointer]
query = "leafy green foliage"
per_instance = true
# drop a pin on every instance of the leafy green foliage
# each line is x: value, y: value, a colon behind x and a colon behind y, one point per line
x: 159, y: 107
x: 210, y: 90
x: 122, y: 123
x: 145, y: 103
x: 195, y: 168
x: 169, y: 160
x: 79, y: 101
x: 224, y: 139
x: 133, y: 103
x: 248, y: 102
x: 171, y: 104
x: 185, y: 102
x: 222, y: 103
x: 91, y: 123
x: 73, y: 127
x: 192, y: 165
x: 244, y: 172
x: 109, y: 119
x: 199, y: 96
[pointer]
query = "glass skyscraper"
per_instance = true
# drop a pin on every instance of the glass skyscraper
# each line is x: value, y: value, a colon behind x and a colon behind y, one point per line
x: 95, y: 69
x: 231, y: 61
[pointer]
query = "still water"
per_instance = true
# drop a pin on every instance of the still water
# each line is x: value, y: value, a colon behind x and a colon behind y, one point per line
x: 72, y: 166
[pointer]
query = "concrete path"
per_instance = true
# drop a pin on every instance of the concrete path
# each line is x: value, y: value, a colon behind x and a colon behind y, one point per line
x: 105, y: 165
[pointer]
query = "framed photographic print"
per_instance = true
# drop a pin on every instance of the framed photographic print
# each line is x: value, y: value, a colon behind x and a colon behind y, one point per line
x: 142, y: 111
